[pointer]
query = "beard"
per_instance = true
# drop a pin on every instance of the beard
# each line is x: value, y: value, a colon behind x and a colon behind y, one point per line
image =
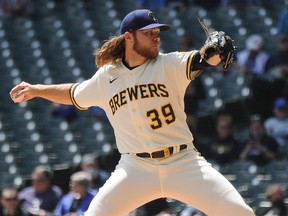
x: 145, y: 52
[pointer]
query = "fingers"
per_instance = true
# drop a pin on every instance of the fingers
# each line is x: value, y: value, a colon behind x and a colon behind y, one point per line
x: 18, y: 87
x: 19, y: 93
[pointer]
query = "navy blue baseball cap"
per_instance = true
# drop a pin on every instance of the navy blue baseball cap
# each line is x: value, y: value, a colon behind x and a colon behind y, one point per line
x: 281, y: 103
x: 140, y: 20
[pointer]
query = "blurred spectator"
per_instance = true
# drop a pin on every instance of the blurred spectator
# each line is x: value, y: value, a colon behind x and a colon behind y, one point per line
x: 277, y: 63
x: 10, y: 204
x: 76, y: 202
x: 190, y: 211
x: 275, y: 195
x: 277, y: 68
x: 252, y: 59
x: 90, y: 164
x: 251, y: 62
x: 17, y: 8
x: 277, y: 125
x: 42, y: 197
x: 67, y: 112
x: 282, y: 22
x: 98, y: 113
x: 259, y: 148
x: 263, y: 92
x: 222, y: 147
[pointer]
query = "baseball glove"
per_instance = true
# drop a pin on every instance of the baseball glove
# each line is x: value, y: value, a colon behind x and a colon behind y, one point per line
x: 217, y: 43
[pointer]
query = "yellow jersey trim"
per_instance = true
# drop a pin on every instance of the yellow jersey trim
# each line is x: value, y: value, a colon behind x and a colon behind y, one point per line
x: 71, y: 93
x: 189, y: 63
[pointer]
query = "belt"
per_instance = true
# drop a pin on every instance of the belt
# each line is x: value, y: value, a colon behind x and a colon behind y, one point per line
x: 167, y: 152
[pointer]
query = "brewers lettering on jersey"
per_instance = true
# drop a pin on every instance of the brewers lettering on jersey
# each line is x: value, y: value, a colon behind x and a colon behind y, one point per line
x: 135, y: 93
x: 142, y: 92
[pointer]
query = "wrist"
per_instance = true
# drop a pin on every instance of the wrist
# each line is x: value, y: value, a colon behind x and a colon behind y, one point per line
x: 37, y: 90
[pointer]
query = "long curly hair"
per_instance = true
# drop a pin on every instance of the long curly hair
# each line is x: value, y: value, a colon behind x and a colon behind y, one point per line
x: 111, y: 51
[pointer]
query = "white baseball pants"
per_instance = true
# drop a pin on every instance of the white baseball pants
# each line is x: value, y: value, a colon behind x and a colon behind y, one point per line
x: 185, y: 176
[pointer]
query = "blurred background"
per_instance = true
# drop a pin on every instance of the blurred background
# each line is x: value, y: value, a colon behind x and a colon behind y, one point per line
x: 52, y: 41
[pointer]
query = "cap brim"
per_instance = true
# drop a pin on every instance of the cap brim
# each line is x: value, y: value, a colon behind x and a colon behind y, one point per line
x: 163, y: 27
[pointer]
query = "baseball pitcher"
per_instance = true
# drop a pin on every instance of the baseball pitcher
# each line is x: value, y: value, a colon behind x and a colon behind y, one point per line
x: 142, y: 92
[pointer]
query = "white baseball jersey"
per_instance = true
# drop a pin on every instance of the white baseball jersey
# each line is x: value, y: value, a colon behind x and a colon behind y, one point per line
x: 145, y: 105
